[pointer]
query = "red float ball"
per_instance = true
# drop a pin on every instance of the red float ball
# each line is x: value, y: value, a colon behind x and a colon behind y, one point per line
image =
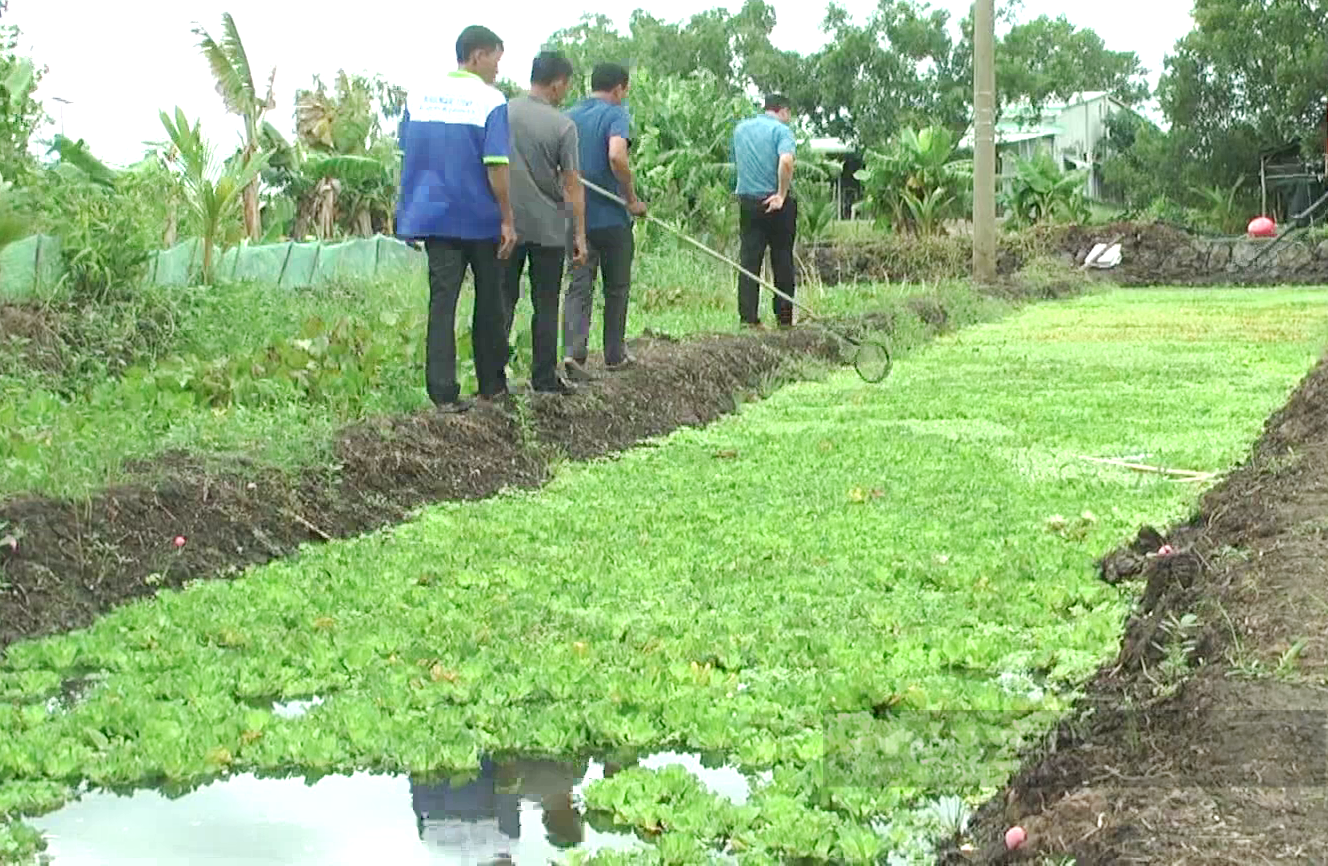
x: 1262, y: 227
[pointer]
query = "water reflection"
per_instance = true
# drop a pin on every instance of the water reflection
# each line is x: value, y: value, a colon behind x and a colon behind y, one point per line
x: 480, y: 819
x: 521, y: 812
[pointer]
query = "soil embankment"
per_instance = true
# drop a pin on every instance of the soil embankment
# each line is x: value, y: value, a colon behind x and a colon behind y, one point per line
x: 1156, y: 254
x: 1205, y: 741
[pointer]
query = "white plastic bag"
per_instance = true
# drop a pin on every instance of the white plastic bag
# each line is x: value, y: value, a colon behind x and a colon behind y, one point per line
x: 1105, y: 257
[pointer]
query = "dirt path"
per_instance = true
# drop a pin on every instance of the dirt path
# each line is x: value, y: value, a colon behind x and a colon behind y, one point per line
x: 75, y: 559
x: 1219, y: 753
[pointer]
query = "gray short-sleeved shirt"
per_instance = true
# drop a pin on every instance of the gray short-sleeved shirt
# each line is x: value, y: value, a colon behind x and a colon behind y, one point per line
x: 544, y: 145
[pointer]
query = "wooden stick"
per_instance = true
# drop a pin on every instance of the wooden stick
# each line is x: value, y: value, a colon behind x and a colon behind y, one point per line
x: 1207, y: 476
x: 1141, y: 467
x: 307, y: 525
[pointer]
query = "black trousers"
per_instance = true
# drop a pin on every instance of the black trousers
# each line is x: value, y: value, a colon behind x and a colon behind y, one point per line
x: 448, y: 260
x: 759, y: 230
x: 610, y: 255
x: 546, y: 279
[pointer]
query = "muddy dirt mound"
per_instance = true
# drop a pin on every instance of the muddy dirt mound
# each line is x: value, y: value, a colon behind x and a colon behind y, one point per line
x: 68, y: 561
x: 1160, y: 253
x: 907, y: 259
x: 1204, y: 742
x: 1152, y: 254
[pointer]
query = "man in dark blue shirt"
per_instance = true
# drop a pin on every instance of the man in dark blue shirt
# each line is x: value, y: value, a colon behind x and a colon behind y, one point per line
x: 603, y: 130
x: 763, y: 149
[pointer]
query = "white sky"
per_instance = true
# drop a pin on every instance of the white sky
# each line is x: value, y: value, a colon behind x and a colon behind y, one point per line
x: 120, y: 63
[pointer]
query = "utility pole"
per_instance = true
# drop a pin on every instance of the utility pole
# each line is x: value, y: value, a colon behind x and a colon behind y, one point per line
x: 984, y: 142
x: 63, y: 103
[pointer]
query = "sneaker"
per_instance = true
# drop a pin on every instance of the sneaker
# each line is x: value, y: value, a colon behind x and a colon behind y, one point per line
x: 627, y: 361
x: 576, y: 371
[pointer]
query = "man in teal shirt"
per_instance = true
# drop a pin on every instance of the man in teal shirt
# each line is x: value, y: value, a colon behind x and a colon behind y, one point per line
x: 763, y: 149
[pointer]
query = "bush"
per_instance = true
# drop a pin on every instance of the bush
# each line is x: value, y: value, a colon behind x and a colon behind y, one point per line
x: 106, y: 230
x: 1040, y: 192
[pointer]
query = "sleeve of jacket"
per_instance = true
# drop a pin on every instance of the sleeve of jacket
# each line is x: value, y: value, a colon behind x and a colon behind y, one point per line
x: 497, y: 145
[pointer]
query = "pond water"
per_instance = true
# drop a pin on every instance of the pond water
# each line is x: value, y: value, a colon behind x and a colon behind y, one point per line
x: 524, y: 812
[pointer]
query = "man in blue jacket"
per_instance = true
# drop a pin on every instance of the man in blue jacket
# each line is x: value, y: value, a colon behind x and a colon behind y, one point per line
x: 454, y: 196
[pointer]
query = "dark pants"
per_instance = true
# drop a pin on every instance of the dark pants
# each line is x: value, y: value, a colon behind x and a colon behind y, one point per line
x: 758, y: 230
x: 610, y: 254
x: 448, y: 260
x: 546, y: 281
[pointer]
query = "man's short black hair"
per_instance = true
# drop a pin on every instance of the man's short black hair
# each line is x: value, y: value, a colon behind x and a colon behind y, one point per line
x: 776, y: 102
x: 607, y: 76
x: 550, y: 66
x: 476, y: 38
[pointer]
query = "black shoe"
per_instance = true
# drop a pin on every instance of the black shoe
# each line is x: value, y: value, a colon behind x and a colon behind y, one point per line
x: 559, y: 386
x: 576, y: 371
x: 453, y: 407
x: 627, y: 361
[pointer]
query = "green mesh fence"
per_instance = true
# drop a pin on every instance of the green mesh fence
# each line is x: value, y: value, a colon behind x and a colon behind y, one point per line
x: 177, y: 266
x: 289, y: 265
x: 31, y: 268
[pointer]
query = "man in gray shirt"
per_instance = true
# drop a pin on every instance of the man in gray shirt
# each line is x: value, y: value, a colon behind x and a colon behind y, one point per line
x: 545, y: 180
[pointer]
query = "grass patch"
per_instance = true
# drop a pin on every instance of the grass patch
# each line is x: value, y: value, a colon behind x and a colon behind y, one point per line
x: 267, y: 374
x: 862, y: 588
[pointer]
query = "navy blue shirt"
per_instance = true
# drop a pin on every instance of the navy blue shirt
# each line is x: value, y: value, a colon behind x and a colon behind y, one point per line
x: 596, y: 122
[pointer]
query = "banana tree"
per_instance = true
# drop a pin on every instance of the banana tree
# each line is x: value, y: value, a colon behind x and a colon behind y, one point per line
x: 214, y: 190
x: 1040, y: 191
x: 326, y: 190
x: 235, y: 84
x: 352, y: 165
x: 915, y: 183
x: 682, y: 147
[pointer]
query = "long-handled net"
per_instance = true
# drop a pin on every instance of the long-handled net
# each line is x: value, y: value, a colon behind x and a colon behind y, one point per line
x: 871, y: 358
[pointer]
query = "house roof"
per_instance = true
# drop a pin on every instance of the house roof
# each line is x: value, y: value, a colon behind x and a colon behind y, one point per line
x: 1018, y: 123
x: 1011, y: 134
x: 1292, y: 147
x: 829, y: 145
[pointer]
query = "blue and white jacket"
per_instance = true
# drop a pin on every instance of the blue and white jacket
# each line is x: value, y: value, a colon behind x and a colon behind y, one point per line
x: 449, y: 134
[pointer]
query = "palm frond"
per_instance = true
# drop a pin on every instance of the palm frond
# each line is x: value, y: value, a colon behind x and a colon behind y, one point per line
x: 270, y: 138
x: 270, y: 101
x: 230, y: 84
x: 239, y: 59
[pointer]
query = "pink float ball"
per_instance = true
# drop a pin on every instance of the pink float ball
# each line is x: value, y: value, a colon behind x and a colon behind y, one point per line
x: 1262, y: 227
